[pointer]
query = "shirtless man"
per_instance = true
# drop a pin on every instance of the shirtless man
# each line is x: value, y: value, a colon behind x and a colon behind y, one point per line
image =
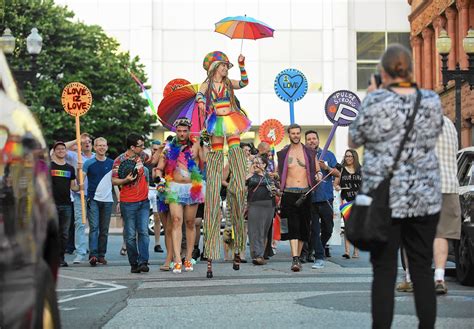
x: 184, y: 189
x: 298, y: 171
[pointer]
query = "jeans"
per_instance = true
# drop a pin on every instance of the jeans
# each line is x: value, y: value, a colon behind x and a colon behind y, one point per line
x: 323, y: 213
x: 64, y: 217
x: 316, y: 243
x: 417, y: 236
x: 99, y: 220
x: 135, y: 216
x: 80, y: 237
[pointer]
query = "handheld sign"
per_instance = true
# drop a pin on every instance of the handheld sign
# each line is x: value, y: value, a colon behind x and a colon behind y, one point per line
x: 291, y: 86
x: 341, y: 109
x: 77, y: 100
x: 271, y: 131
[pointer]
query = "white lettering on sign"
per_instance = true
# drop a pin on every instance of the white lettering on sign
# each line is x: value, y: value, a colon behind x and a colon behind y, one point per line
x: 340, y: 115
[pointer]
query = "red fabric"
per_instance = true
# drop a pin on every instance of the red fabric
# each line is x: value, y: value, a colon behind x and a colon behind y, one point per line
x: 276, y: 228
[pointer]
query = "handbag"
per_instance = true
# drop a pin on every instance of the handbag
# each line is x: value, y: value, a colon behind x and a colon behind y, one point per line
x: 370, y: 219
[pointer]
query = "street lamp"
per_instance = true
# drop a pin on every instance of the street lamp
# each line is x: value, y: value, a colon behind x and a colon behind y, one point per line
x: 443, y: 45
x: 34, y: 43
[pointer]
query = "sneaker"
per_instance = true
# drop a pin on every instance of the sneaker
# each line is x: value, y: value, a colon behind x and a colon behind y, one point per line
x: 144, y: 268
x: 93, y: 261
x: 158, y: 248
x: 196, y: 253
x: 177, y: 268
x: 346, y: 256
x: 440, y: 287
x: 134, y: 268
x: 188, y: 265
x: 294, y: 266
x: 102, y: 260
x: 318, y: 264
x: 405, y: 286
x: 78, y: 259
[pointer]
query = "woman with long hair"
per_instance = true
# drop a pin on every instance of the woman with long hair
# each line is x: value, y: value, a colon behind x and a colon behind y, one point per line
x: 349, y: 185
x: 224, y: 121
x: 415, y: 184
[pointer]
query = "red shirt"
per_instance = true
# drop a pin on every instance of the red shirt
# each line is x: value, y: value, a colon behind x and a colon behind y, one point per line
x: 138, y: 189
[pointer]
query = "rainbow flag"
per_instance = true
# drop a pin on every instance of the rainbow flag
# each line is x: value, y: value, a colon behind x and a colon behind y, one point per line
x: 346, y: 210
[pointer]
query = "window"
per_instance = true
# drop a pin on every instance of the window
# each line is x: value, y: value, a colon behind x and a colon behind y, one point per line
x: 370, y: 47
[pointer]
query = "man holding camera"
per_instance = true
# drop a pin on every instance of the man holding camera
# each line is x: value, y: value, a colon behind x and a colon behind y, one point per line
x: 134, y: 203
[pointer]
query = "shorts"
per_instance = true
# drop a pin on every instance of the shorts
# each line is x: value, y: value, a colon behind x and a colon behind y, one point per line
x: 449, y: 225
x: 299, y: 218
x: 182, y: 194
x: 152, y: 197
x: 200, y: 211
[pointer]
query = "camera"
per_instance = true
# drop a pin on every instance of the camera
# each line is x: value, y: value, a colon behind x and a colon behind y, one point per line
x: 135, y: 172
x: 377, y: 78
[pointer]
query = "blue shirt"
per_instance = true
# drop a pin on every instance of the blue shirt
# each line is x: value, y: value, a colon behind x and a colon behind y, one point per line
x: 99, y: 175
x: 325, y: 191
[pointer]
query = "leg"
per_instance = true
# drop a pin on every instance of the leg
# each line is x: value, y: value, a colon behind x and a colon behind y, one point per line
x: 168, y: 225
x: 316, y: 232
x: 80, y: 233
x: 211, y: 227
x: 142, y: 233
x: 440, y: 248
x: 176, y: 212
x: 64, y: 217
x: 129, y: 214
x: 418, y: 235
x: 93, y: 216
x: 327, y: 222
x: 104, y: 224
x: 384, y: 263
x: 189, y: 219
x: 157, y: 219
x: 237, y: 192
x: 71, y: 245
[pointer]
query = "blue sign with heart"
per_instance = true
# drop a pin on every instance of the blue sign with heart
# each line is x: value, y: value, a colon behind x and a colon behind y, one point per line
x: 291, y: 85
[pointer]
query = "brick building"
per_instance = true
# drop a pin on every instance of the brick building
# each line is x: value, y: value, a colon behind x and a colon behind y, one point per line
x: 427, y: 18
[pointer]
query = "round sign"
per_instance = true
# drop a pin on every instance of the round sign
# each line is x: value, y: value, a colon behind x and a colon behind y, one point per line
x: 76, y: 99
x: 271, y: 131
x: 342, y: 107
x: 173, y: 85
x: 291, y: 85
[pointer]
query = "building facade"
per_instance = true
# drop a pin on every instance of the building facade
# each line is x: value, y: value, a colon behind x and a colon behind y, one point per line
x: 336, y: 44
x: 427, y: 18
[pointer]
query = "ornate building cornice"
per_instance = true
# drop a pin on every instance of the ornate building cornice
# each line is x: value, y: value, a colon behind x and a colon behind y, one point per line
x: 425, y: 12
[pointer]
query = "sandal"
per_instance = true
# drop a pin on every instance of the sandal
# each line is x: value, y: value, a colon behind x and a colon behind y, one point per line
x: 164, y: 268
x: 236, y: 263
x: 209, y: 269
x: 123, y: 251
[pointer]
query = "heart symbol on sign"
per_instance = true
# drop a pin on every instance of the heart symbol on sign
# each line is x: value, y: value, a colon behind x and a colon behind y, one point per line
x: 290, y: 84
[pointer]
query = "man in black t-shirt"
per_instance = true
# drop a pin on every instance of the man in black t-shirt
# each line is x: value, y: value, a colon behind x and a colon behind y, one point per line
x: 63, y: 180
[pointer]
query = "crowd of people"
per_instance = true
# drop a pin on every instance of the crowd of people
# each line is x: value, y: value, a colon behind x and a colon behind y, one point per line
x: 184, y: 179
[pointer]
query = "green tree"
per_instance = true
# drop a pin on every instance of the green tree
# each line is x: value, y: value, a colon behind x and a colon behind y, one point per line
x: 73, y: 51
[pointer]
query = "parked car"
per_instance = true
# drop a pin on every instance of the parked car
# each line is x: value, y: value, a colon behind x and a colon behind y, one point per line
x: 29, y: 242
x: 462, y: 251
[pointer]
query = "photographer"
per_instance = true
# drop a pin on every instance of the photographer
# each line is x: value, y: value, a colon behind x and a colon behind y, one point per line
x: 261, y: 207
x: 415, y: 186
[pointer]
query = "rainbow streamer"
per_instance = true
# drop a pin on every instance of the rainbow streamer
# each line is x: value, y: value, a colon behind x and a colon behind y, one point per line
x: 145, y: 92
x: 346, y: 210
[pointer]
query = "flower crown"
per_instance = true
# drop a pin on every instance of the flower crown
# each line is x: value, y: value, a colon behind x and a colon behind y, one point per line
x: 182, y: 122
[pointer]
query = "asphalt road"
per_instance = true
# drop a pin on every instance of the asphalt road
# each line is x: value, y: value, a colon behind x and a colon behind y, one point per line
x: 269, y: 296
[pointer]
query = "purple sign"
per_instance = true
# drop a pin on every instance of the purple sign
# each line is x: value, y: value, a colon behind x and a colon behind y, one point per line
x: 342, y: 107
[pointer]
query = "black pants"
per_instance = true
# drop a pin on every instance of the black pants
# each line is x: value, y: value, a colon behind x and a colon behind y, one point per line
x: 65, y: 216
x: 322, y: 211
x: 417, y: 235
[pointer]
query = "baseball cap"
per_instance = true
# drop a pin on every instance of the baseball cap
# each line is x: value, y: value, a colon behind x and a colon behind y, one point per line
x: 58, y: 143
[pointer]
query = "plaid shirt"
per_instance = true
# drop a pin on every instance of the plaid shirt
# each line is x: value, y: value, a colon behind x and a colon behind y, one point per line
x: 446, y: 149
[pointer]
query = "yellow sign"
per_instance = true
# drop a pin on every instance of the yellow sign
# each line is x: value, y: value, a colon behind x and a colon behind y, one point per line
x: 76, y: 99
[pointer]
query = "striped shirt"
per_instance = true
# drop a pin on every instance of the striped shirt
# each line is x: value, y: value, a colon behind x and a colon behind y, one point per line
x: 446, y: 149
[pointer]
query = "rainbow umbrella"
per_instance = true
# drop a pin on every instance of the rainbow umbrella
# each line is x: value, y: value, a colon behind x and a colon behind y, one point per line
x: 346, y: 210
x: 181, y: 103
x: 243, y: 27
